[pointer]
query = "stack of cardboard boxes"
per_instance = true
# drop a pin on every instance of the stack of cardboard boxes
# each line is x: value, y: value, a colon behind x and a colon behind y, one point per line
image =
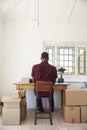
x: 75, y: 105
x: 21, y: 94
x: 14, y: 108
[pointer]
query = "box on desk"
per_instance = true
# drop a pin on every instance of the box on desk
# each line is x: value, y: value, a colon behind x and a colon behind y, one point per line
x: 25, y: 80
x: 75, y: 97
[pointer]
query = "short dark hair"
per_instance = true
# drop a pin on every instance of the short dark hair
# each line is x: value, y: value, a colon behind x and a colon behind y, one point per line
x: 45, y: 55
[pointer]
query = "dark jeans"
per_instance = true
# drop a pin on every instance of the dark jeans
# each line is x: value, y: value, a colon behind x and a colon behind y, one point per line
x: 39, y: 102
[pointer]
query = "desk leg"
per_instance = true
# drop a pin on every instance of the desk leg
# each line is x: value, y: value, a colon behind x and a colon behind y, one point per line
x: 62, y: 98
x: 18, y: 87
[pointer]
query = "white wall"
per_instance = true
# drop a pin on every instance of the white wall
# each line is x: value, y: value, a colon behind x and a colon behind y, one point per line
x: 22, y: 46
x: 1, y: 36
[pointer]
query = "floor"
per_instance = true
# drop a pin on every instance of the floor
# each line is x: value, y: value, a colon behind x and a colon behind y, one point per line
x: 44, y: 124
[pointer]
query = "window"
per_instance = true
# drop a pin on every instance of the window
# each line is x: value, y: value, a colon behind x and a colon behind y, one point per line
x: 66, y: 59
x: 81, y: 60
x: 51, y: 52
x: 71, y: 56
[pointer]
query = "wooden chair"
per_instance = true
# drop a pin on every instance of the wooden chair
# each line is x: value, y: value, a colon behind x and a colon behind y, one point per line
x: 43, y: 90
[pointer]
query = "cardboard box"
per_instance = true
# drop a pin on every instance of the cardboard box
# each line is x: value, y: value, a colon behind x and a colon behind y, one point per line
x: 10, y: 103
x: 18, y: 93
x: 75, y: 97
x: 14, y: 94
x: 71, y: 114
x: 25, y: 79
x: 11, y: 116
x: 10, y: 99
x: 84, y: 114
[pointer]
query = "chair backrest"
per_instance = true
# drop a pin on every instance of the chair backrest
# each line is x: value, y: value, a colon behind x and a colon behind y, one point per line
x: 44, y: 86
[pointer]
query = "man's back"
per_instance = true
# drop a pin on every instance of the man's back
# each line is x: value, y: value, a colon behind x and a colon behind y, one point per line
x: 44, y: 71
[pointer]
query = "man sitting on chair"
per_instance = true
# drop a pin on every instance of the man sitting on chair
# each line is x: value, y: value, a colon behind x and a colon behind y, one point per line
x: 44, y: 72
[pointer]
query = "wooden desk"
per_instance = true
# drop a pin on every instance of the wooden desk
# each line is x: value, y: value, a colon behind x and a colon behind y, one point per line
x: 30, y: 86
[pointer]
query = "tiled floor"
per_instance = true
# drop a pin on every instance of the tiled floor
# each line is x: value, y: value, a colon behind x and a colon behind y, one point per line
x: 58, y: 123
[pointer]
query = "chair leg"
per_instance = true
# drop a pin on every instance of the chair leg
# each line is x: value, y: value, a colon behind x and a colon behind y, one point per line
x: 35, y: 118
x: 36, y: 113
x: 51, y: 119
x: 50, y: 115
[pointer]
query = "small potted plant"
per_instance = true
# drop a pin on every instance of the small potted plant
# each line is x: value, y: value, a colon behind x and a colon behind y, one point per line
x: 61, y: 71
